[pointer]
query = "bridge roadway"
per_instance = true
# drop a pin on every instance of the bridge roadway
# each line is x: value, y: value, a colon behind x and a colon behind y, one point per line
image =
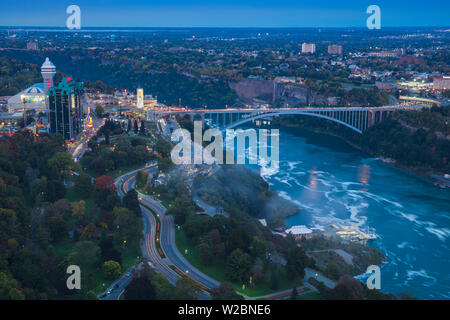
x: 358, y: 119
x: 174, y: 111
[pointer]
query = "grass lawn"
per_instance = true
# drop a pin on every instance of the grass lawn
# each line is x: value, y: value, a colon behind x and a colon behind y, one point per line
x: 96, y: 281
x: 218, y: 271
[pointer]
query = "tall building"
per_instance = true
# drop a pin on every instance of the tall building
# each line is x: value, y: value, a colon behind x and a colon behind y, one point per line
x: 308, y: 48
x: 334, y: 49
x: 65, y: 109
x: 48, y: 71
x: 140, y: 98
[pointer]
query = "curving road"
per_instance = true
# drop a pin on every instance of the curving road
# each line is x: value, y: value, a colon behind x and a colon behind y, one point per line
x: 173, y: 258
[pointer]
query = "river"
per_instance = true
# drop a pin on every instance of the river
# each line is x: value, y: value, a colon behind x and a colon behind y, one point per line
x: 333, y: 182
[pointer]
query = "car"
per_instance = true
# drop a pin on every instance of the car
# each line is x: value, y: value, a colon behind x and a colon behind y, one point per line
x: 109, y: 291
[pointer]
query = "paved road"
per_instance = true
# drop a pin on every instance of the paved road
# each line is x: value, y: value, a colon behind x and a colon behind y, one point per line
x: 117, y: 287
x: 172, y: 256
x: 310, y: 273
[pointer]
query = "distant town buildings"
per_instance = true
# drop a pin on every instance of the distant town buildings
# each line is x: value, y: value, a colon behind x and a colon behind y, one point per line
x: 335, y: 49
x: 386, y: 53
x: 441, y: 83
x: 65, y: 109
x: 308, y: 48
x: 32, y: 45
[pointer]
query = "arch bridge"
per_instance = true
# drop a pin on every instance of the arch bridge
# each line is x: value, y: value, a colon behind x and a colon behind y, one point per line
x: 358, y: 119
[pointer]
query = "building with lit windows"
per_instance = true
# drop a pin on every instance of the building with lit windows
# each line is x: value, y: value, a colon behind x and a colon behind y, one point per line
x: 34, y: 97
x: 140, y: 98
x: 65, y: 108
x: 308, y: 48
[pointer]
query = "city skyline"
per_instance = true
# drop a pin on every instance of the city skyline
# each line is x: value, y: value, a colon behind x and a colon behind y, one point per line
x: 199, y: 13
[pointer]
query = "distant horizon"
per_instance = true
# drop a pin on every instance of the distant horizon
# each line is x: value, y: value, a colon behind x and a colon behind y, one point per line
x: 225, y: 14
x: 218, y: 27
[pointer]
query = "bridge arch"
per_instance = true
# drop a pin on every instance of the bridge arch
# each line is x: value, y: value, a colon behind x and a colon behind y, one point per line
x: 271, y: 114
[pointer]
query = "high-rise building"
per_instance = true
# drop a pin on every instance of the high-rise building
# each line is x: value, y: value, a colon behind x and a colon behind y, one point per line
x: 308, y: 48
x: 65, y: 109
x: 48, y: 71
x: 140, y: 98
x: 334, y: 49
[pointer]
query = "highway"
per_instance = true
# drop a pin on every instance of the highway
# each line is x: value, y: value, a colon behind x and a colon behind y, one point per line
x: 171, y: 258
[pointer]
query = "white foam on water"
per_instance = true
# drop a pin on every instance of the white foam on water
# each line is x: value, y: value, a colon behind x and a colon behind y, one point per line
x: 442, y: 234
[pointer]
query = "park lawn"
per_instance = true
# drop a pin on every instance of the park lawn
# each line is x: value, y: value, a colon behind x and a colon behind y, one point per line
x: 72, y: 196
x: 217, y: 272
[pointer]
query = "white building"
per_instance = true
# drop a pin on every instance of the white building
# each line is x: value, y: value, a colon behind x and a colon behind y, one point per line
x: 308, y: 48
x: 300, y: 232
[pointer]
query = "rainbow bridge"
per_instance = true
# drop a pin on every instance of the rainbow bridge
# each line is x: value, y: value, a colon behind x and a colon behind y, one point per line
x: 358, y: 119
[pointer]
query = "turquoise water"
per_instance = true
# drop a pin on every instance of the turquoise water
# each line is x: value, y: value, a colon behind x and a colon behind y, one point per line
x: 333, y: 182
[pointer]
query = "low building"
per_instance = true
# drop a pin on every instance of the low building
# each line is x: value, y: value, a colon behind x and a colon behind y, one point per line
x: 441, y: 83
x: 300, y: 232
x: 334, y: 49
x: 32, y: 98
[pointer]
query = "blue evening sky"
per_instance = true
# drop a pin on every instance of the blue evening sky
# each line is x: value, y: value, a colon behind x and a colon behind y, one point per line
x: 230, y: 13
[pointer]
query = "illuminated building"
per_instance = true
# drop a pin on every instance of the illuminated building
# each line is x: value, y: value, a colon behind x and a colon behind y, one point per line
x: 34, y: 97
x: 65, y: 109
x: 48, y: 71
x: 441, y: 83
x: 140, y: 98
x: 308, y: 48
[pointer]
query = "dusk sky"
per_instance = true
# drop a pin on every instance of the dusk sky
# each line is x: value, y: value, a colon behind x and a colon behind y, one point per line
x: 231, y: 13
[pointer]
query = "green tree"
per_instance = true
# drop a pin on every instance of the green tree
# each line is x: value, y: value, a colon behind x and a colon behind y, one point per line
x: 111, y: 270
x: 141, y: 179
x: 238, y: 265
x: 140, y: 288
x: 296, y: 262
x: 9, y: 289
x: 128, y: 227
x: 187, y: 289
x: 83, y: 185
x: 131, y: 201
